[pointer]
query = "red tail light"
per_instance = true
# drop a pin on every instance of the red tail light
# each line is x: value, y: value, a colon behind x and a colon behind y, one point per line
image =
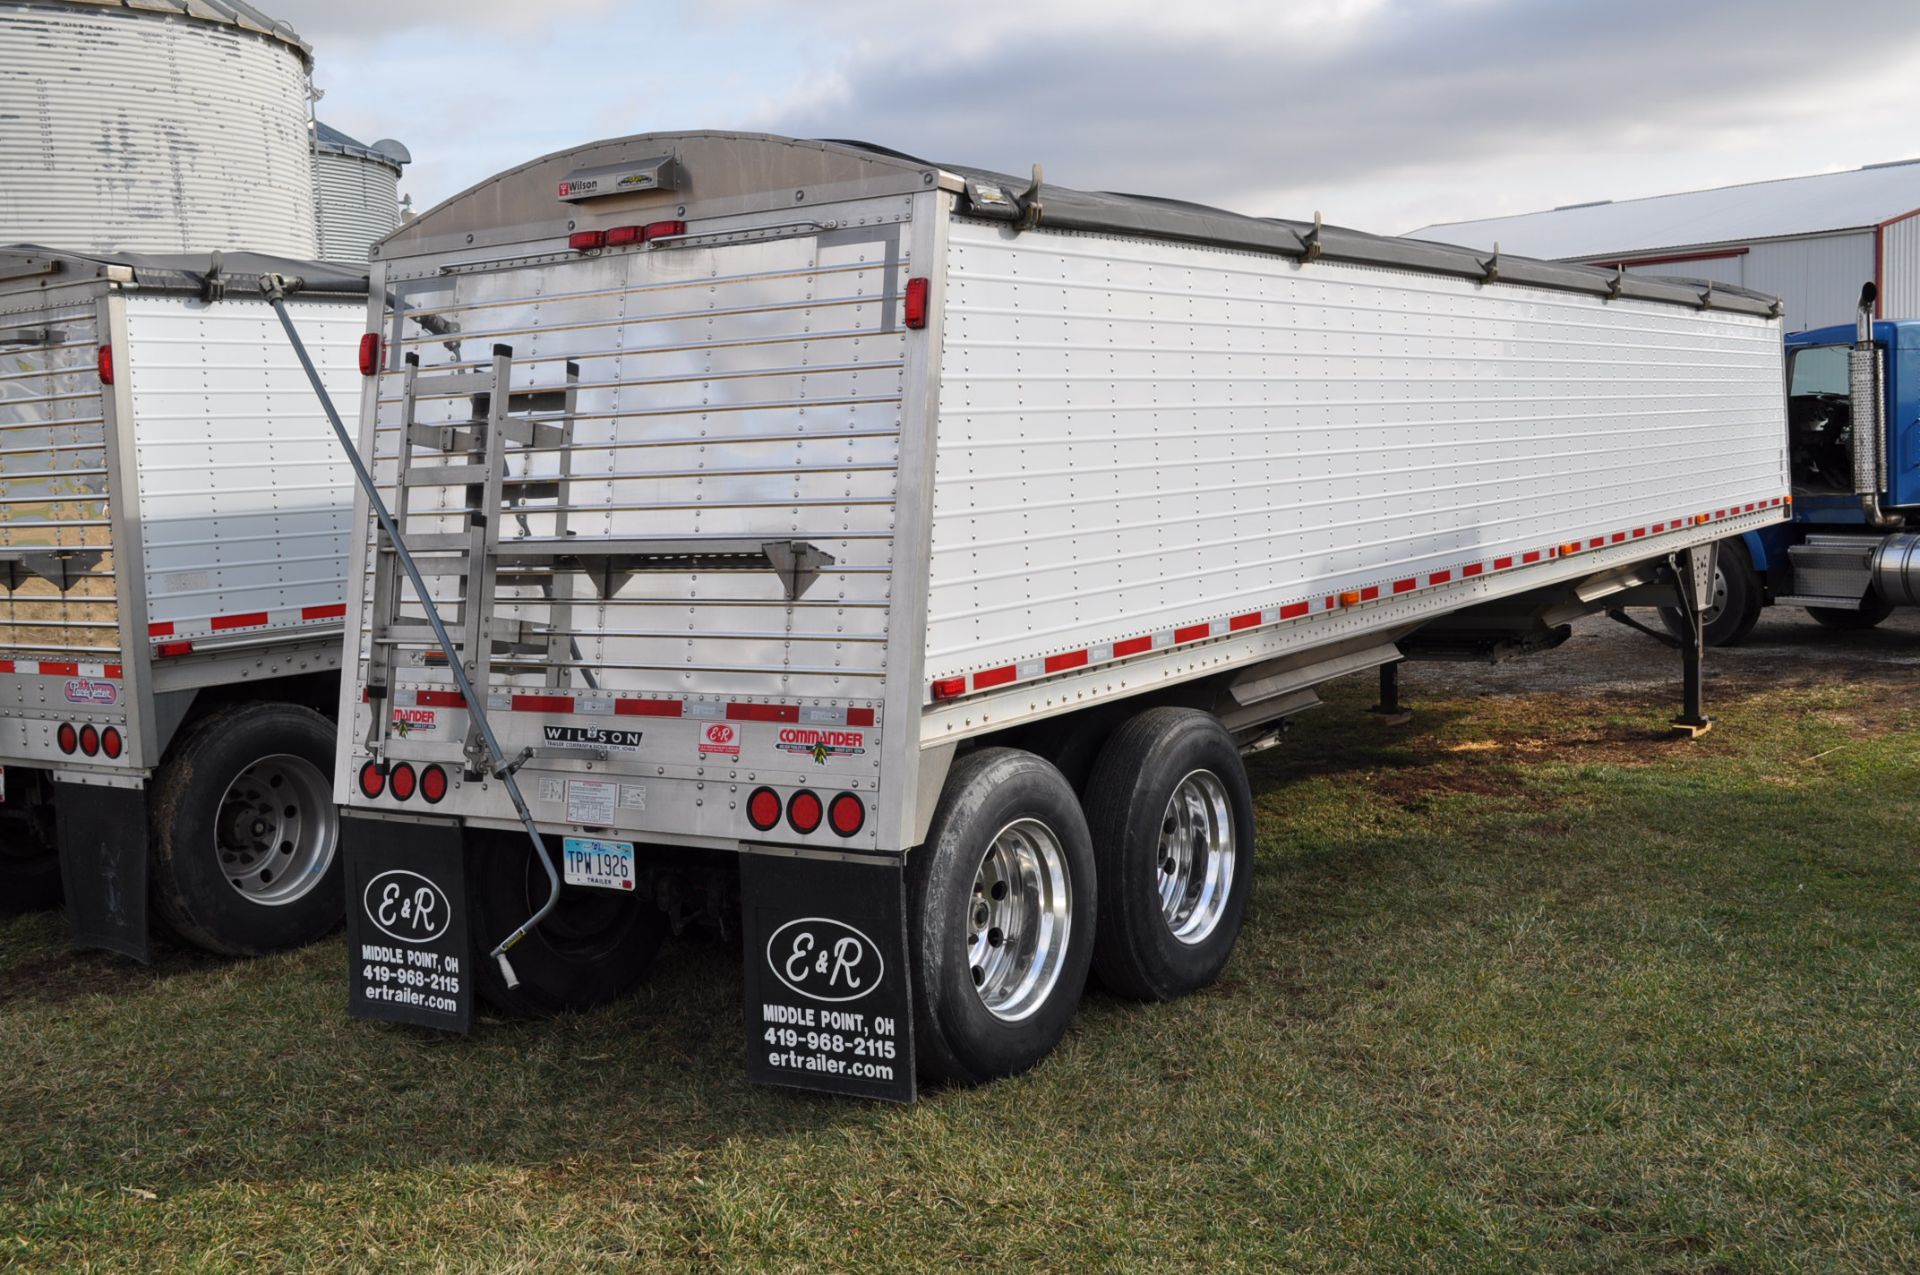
x: 67, y: 738
x: 625, y: 236
x: 369, y: 353
x: 587, y: 240
x: 402, y: 780
x: 106, y: 365
x: 847, y: 814
x: 433, y: 785
x: 916, y: 311
x: 663, y: 230
x: 110, y: 742
x: 803, y: 811
x: 372, y: 781
x: 173, y: 648
x: 89, y: 740
x: 763, y: 808
x: 949, y: 688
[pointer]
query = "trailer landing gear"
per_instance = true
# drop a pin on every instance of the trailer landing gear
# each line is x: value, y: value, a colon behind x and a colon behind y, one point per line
x: 1389, y: 711
x: 1694, y: 572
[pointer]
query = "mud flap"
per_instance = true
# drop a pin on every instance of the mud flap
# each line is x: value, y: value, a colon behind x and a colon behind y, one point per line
x: 102, y: 834
x: 407, y: 954
x: 827, y: 994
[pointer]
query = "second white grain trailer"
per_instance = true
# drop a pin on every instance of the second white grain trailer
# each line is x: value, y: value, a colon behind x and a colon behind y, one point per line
x: 173, y: 546
x: 917, y: 551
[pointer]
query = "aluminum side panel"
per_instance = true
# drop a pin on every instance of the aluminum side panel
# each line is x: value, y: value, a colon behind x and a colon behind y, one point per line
x: 1138, y: 438
x: 244, y: 498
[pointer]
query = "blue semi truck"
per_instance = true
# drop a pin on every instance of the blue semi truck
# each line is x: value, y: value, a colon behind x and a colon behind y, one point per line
x: 1852, y: 552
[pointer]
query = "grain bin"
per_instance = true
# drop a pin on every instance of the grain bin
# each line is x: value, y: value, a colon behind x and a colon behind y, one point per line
x: 357, y: 189
x: 154, y: 125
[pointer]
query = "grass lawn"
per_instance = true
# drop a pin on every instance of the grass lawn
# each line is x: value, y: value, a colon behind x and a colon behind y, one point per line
x: 1524, y: 985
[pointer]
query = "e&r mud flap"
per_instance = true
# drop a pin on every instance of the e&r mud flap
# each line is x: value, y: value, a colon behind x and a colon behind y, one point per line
x: 827, y: 989
x: 102, y: 834
x: 408, y: 959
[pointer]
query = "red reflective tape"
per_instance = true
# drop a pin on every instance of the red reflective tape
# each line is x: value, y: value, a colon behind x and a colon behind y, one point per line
x: 763, y: 712
x: 646, y: 708
x: 1369, y: 593
x: 440, y: 699
x: 543, y: 703
x: 1501, y: 564
x: 1719, y: 513
x: 993, y: 677
x: 1132, y: 646
x: 1618, y: 536
x: 1659, y: 527
x: 1192, y: 632
x: 160, y: 628
x: 1639, y: 532
x: 112, y: 670
x: 1749, y: 506
x: 1596, y: 542
x: 1403, y: 586
x: 1440, y: 577
x: 1238, y: 622
x: 6, y: 666
x: 1470, y: 570
x: 1066, y: 660
x: 859, y: 717
x: 249, y: 620
x: 59, y: 668
x: 1531, y: 556
x: 1294, y: 610
x: 336, y: 611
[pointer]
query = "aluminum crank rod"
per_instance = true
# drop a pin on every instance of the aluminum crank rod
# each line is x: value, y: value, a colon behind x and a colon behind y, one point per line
x: 275, y: 288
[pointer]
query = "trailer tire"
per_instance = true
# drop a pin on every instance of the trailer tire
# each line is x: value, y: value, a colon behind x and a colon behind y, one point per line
x: 29, y: 872
x: 1008, y: 843
x: 248, y: 788
x: 1169, y: 788
x: 1873, y: 609
x: 594, y: 948
x: 1736, y: 604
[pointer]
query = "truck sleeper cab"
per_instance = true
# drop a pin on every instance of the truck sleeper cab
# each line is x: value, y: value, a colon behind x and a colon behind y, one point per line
x: 894, y: 561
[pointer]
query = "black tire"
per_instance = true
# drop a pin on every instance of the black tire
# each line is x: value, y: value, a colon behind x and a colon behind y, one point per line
x: 29, y: 855
x: 989, y: 796
x: 213, y: 795
x: 594, y: 948
x: 1137, y: 951
x: 1735, y: 612
x: 1873, y: 609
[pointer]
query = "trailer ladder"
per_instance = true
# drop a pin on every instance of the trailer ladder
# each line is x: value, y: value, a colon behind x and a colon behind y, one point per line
x: 474, y: 455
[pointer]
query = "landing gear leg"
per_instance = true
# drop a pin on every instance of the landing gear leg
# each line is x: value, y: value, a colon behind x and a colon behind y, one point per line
x: 1694, y: 569
x: 1389, y: 710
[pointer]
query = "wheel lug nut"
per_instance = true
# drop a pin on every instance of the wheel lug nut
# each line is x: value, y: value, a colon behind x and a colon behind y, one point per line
x: 980, y: 915
x: 995, y: 938
x: 999, y: 890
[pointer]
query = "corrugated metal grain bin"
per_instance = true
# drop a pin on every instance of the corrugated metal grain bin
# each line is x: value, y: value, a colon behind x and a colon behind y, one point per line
x: 156, y: 126
x: 357, y: 192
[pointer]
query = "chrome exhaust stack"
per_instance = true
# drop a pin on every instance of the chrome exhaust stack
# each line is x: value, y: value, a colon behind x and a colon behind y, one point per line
x: 1869, y: 421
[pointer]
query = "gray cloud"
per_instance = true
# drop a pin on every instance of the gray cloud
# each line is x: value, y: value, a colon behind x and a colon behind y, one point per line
x: 1270, y: 111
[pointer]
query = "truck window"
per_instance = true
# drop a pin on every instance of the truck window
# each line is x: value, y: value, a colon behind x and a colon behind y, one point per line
x: 1820, y: 420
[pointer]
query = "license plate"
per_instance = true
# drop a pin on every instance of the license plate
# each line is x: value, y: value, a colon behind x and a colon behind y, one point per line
x: 605, y: 865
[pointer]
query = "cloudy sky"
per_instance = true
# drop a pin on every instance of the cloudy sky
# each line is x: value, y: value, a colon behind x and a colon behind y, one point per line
x: 1382, y: 114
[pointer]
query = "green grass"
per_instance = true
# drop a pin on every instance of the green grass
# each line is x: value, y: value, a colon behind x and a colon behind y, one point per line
x: 1524, y: 987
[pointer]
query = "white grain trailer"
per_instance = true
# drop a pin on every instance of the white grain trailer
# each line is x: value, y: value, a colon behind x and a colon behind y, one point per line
x: 174, y: 521
x: 931, y: 547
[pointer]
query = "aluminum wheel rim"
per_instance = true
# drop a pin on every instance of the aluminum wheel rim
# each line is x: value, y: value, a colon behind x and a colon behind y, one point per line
x: 277, y: 830
x: 1018, y: 919
x: 1719, y: 597
x: 1197, y: 857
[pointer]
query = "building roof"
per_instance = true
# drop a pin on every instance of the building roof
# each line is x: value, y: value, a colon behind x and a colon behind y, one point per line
x: 1861, y: 197
x: 329, y: 140
x: 230, y: 13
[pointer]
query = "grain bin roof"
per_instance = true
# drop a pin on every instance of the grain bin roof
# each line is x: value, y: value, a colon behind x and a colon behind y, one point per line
x: 1856, y: 199
x: 722, y: 165
x: 329, y: 140
x: 230, y: 13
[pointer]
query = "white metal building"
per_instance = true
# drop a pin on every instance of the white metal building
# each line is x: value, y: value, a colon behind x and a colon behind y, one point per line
x: 1811, y: 241
x: 154, y: 126
x: 357, y: 191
